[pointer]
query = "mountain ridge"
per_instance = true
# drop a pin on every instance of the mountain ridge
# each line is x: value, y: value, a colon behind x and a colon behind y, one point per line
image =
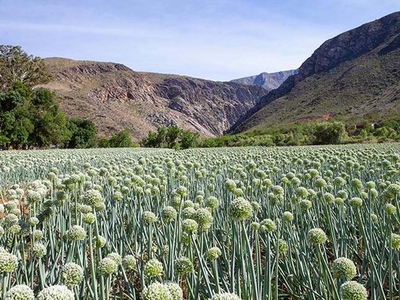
x: 115, y: 97
x: 269, y: 81
x: 303, y: 95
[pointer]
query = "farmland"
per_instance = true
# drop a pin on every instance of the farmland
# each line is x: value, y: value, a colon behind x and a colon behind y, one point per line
x: 229, y: 223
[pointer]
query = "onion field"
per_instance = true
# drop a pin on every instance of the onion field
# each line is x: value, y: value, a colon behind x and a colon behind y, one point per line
x: 223, y: 224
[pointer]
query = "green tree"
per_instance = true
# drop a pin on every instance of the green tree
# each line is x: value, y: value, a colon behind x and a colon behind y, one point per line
x: 121, y: 139
x: 16, y: 128
x: 172, y: 136
x: 50, y: 123
x: 17, y: 95
x: 150, y: 141
x: 160, y: 137
x: 103, y: 143
x: 386, y: 133
x: 15, y: 122
x: 189, y: 139
x: 329, y: 133
x: 17, y: 66
x: 83, y: 133
x: 155, y: 139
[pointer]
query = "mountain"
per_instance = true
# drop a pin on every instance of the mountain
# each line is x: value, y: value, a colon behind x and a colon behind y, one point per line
x: 268, y: 81
x: 114, y: 97
x: 352, y: 77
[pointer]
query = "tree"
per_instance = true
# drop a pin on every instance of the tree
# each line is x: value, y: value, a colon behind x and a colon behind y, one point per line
x: 17, y: 66
x: 83, y: 133
x: 15, y: 122
x: 50, y: 123
x: 189, y: 139
x: 171, y: 137
x: 329, y: 133
x: 155, y: 139
x: 103, y: 143
x: 121, y: 139
x: 31, y: 118
x: 150, y: 141
x: 15, y: 128
x: 18, y: 95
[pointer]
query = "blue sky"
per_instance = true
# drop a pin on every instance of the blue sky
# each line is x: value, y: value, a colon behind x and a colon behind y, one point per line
x: 213, y: 39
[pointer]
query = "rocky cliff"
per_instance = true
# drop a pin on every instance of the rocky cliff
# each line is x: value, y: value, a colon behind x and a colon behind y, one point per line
x: 268, y: 81
x: 354, y: 75
x: 115, y: 97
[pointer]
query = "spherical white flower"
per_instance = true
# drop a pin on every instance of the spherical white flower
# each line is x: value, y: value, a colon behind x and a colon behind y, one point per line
x: 190, y: 226
x: 8, y: 262
x: 107, y: 266
x: 100, y: 241
x: 129, y: 262
x: 33, y: 196
x: 72, y: 274
x: 56, y: 292
x: 352, y: 290
x: 175, y: 290
x: 153, y: 268
x: 225, y: 296
x: 169, y: 214
x: 183, y: 265
x: 203, y: 218
x: 240, y: 209
x: 316, y: 236
x: 76, y: 233
x: 213, y: 253
x: 89, y: 218
x: 149, y: 218
x: 92, y: 197
x: 20, y: 292
x: 343, y: 268
x: 39, y: 250
x: 156, y: 291
x: 115, y: 257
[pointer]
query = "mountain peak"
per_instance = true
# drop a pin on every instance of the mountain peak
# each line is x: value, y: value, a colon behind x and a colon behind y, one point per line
x: 268, y: 81
x: 351, y: 44
x: 344, y: 78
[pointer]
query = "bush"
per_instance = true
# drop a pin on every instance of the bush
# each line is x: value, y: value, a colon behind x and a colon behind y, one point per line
x: 329, y: 133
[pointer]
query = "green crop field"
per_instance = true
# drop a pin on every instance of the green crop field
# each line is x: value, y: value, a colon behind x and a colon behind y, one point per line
x: 229, y: 223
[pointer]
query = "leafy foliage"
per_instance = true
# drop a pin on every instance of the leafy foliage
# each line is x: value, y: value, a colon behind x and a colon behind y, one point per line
x: 50, y: 123
x: 329, y: 133
x: 171, y: 137
x: 83, y: 133
x: 17, y: 66
x: 311, y: 133
x: 32, y: 118
x: 121, y: 139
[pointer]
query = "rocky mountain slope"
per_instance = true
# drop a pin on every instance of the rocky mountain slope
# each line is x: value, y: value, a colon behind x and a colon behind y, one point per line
x: 115, y: 97
x: 268, y: 81
x: 352, y: 77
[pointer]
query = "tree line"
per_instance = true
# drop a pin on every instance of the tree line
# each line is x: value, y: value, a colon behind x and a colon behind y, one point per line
x: 31, y: 117
x: 172, y: 137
